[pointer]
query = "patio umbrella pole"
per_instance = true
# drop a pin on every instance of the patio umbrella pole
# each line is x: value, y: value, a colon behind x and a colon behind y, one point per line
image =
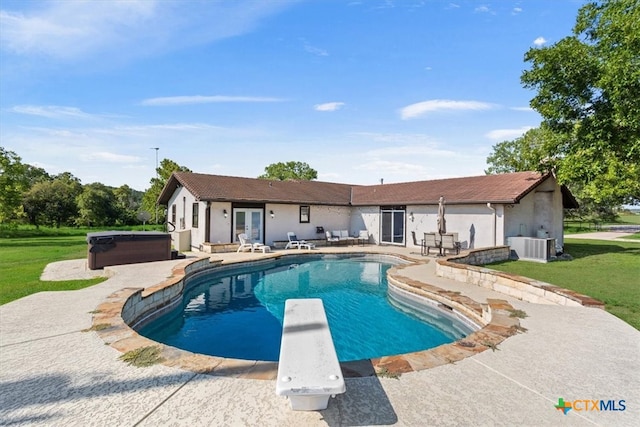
x: 442, y: 225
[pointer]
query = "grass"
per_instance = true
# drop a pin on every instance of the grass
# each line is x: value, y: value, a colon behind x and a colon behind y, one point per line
x: 142, y: 357
x: 573, y: 226
x: 26, y: 250
x: 22, y: 261
x: 606, y: 270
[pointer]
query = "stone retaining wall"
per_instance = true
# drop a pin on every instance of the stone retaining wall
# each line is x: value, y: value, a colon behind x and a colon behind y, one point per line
x: 466, y: 269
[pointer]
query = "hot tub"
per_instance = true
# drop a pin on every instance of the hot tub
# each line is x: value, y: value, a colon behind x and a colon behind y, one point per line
x: 127, y: 247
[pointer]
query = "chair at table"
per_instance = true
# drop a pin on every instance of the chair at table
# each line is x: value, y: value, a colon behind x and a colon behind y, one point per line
x: 449, y: 243
x: 430, y: 242
x: 421, y: 244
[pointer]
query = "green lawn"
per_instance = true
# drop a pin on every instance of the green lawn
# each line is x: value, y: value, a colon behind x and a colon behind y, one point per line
x: 25, y: 251
x: 573, y: 226
x: 22, y: 261
x: 606, y: 270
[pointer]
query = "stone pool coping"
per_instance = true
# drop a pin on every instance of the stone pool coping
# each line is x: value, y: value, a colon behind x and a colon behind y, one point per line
x: 134, y: 303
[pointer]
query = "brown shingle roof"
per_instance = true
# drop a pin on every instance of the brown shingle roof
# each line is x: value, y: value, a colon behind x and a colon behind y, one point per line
x: 505, y: 188
x: 229, y: 188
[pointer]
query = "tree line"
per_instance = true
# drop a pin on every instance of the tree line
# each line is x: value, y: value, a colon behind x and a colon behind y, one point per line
x: 31, y: 195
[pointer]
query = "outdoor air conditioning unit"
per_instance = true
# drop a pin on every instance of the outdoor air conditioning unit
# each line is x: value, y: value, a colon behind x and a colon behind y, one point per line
x: 532, y: 248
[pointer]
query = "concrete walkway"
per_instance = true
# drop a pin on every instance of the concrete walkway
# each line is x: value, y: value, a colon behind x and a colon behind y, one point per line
x: 604, y: 235
x: 54, y: 373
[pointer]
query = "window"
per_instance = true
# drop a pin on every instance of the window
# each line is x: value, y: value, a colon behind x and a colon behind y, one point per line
x: 173, y: 214
x: 305, y: 213
x: 194, y: 215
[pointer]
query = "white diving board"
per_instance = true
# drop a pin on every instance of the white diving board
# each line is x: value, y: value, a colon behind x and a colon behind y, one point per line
x: 308, y: 369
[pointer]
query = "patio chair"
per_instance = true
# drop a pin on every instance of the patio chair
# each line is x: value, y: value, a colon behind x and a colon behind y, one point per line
x: 331, y: 239
x: 430, y: 242
x: 245, y: 243
x: 423, y: 248
x: 448, y: 242
x: 295, y: 243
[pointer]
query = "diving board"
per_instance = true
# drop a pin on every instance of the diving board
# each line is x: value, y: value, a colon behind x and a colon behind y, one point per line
x: 308, y: 369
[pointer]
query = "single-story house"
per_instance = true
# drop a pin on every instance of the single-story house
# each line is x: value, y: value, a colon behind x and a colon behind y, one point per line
x: 483, y: 210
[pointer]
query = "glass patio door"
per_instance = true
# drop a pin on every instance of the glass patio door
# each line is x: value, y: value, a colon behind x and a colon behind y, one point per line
x: 392, y: 226
x: 248, y: 221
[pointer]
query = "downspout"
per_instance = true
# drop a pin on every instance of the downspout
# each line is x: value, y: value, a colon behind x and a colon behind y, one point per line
x: 207, y: 222
x: 494, y: 222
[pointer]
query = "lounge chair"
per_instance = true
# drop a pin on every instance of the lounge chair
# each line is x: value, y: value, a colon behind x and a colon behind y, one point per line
x: 245, y: 243
x: 295, y: 243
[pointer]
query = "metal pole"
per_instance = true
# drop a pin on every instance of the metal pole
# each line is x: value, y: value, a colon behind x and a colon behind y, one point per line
x: 157, y: 178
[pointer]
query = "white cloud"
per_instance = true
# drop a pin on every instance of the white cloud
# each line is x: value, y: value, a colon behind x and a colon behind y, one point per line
x: 50, y: 111
x: 199, y: 99
x: 397, y: 168
x: 539, y: 41
x: 516, y: 10
x: 527, y: 109
x: 434, y: 105
x: 69, y: 30
x: 507, y: 134
x: 104, y: 156
x: 328, y: 106
x: 315, y: 50
x: 482, y: 9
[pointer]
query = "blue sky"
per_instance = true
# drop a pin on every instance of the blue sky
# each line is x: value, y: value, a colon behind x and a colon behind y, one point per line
x: 359, y: 90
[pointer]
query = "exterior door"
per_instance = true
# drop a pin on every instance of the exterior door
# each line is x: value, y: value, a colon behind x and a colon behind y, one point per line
x: 392, y: 226
x: 248, y: 221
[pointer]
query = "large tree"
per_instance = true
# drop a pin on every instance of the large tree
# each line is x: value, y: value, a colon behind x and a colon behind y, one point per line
x: 588, y: 92
x: 12, y: 184
x: 97, y: 206
x: 526, y: 153
x: 150, y: 198
x: 53, y: 202
x: 289, y: 170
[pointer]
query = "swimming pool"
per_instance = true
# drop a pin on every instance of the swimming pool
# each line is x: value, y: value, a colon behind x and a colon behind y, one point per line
x: 237, y: 313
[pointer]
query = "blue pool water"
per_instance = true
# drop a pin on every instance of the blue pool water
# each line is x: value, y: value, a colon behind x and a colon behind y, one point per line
x: 239, y: 313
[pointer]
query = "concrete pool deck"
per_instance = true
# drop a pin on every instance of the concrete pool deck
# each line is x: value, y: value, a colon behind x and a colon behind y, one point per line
x: 54, y: 373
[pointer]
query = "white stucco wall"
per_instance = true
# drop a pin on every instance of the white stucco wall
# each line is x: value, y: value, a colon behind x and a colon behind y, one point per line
x: 367, y: 218
x: 184, y: 200
x: 540, y: 208
x: 473, y: 223
x: 220, y: 226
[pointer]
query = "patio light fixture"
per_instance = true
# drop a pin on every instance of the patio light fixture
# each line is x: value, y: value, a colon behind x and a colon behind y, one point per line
x: 273, y: 215
x: 411, y: 217
x: 224, y: 212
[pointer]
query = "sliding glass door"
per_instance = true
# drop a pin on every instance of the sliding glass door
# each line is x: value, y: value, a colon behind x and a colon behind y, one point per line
x: 392, y: 225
